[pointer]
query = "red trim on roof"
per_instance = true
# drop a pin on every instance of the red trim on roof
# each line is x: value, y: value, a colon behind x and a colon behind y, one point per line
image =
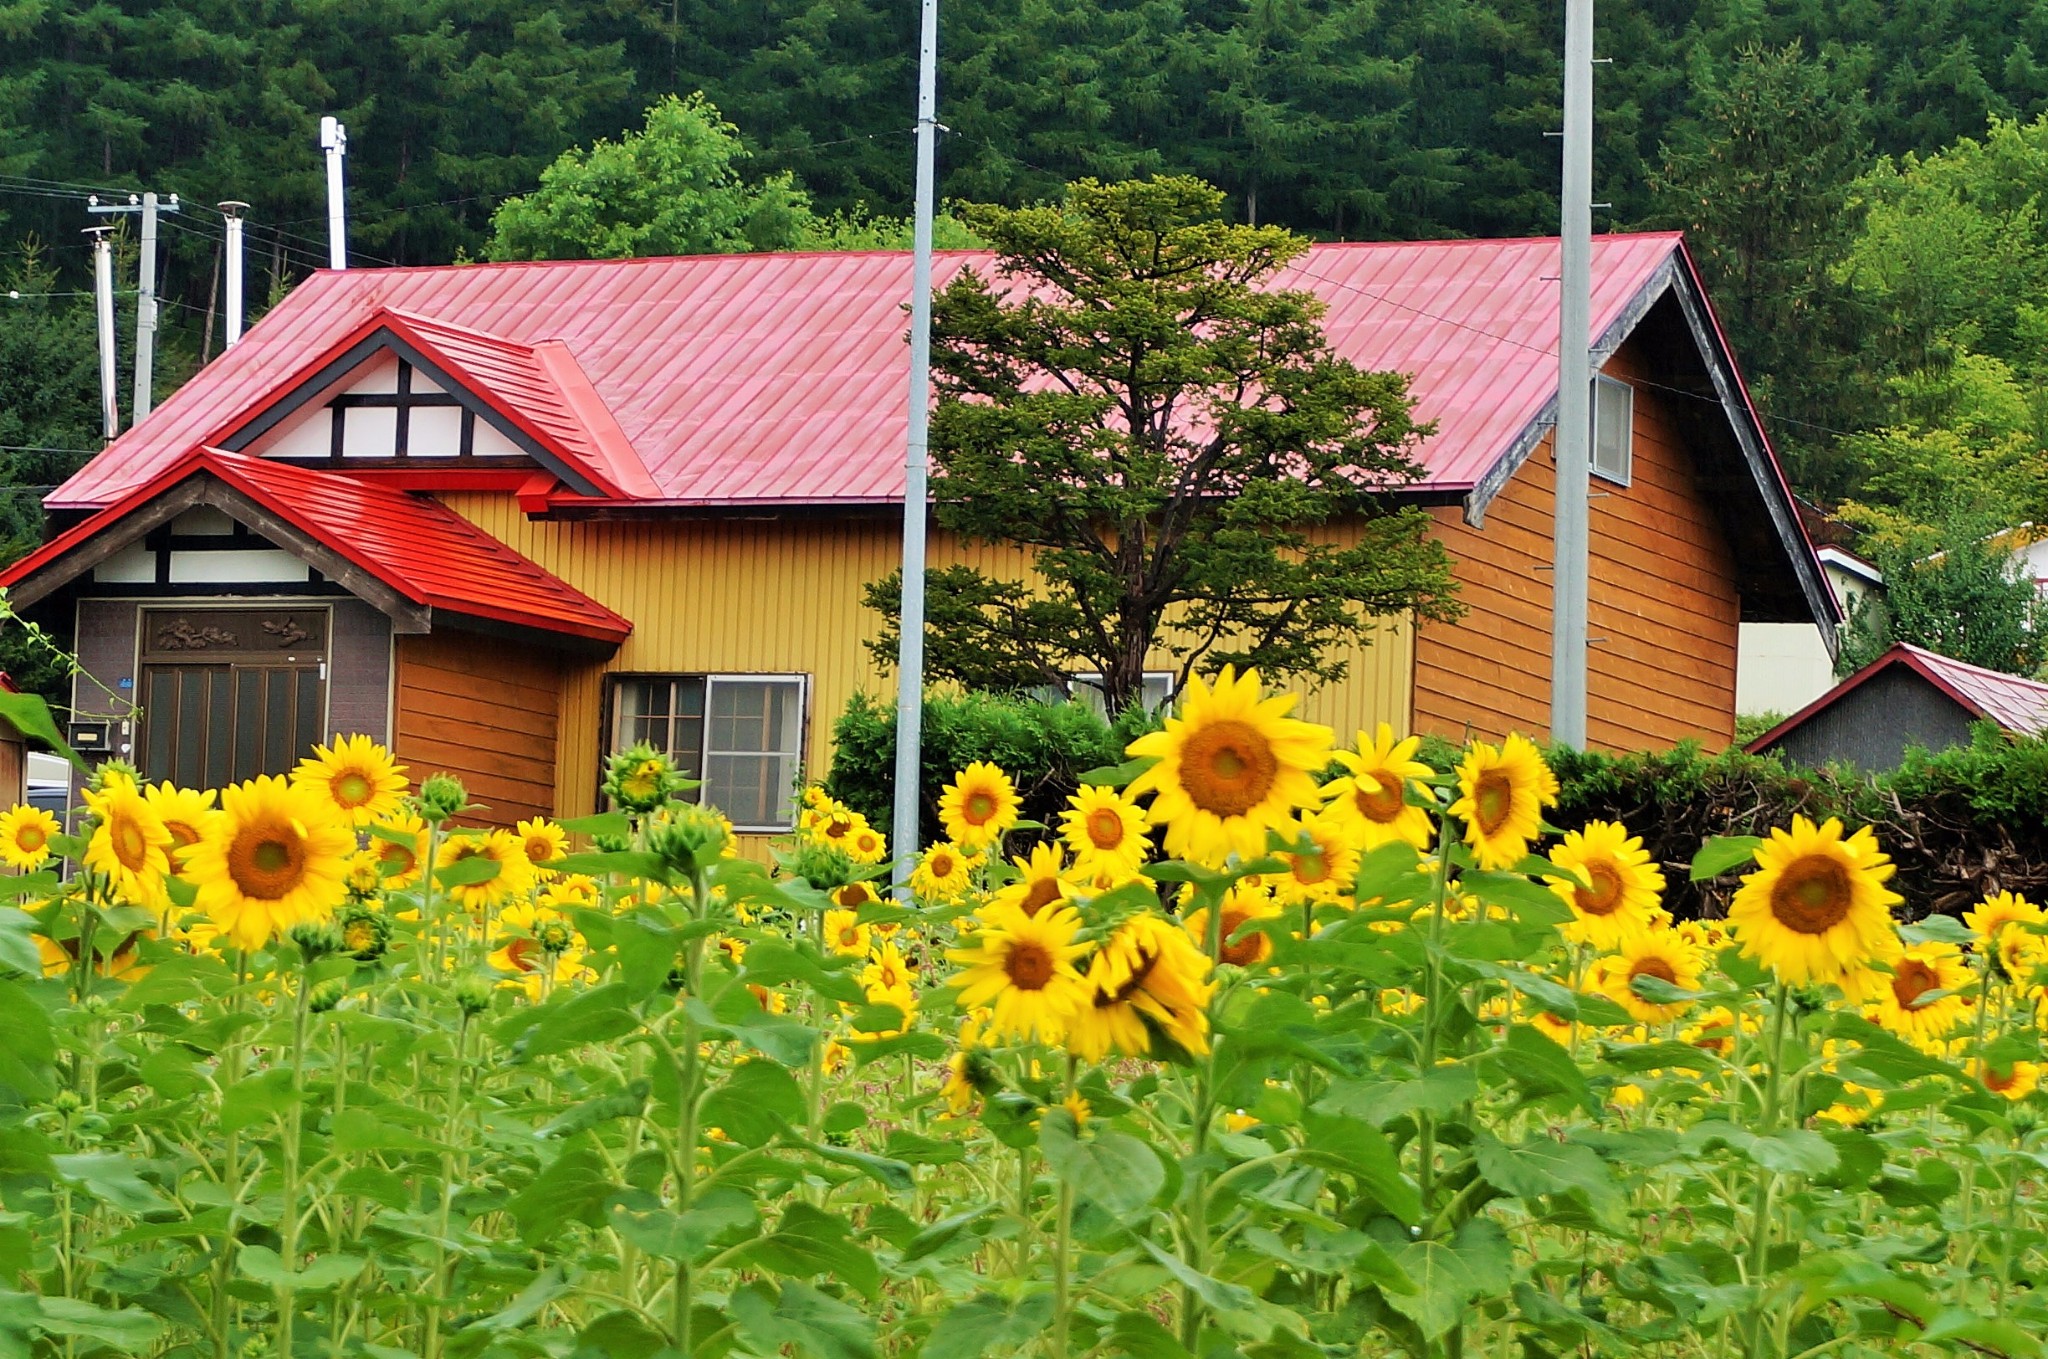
x: 419, y: 548
x: 2015, y: 703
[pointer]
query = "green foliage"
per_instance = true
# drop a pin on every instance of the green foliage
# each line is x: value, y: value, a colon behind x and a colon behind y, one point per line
x: 1047, y: 746
x: 1959, y: 823
x: 1956, y: 589
x: 1127, y: 397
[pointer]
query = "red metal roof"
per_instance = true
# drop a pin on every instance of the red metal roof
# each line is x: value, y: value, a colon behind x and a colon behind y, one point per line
x: 2016, y: 704
x: 424, y: 551
x: 780, y: 379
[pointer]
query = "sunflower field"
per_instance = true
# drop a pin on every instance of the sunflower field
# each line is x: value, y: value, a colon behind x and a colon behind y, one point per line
x: 1225, y: 1062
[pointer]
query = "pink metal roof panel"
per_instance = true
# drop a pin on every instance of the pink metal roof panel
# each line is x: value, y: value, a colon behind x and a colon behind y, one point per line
x: 2015, y: 703
x: 763, y: 379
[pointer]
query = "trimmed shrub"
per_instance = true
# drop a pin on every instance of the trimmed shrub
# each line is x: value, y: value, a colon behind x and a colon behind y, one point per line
x: 1046, y: 747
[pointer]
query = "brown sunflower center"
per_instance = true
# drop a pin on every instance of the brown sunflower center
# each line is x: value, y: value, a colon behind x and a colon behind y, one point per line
x: 1493, y: 800
x: 1383, y: 803
x: 130, y: 845
x: 1041, y: 894
x: 1029, y: 966
x: 539, y: 849
x: 267, y: 859
x: 1912, y: 979
x: 850, y: 897
x: 1653, y: 967
x: 1241, y: 952
x: 1140, y: 974
x: 395, y: 858
x: 183, y: 834
x: 1105, y: 828
x: 517, y: 953
x: 1228, y: 768
x: 942, y: 865
x: 978, y: 808
x: 1812, y: 895
x: 1998, y: 1082
x: 351, y: 789
x: 31, y: 838
x: 1603, y: 895
x: 838, y: 828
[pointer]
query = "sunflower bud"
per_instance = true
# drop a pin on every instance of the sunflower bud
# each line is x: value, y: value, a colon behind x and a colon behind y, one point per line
x: 316, y: 939
x: 641, y: 778
x: 110, y: 772
x: 689, y: 841
x: 441, y: 797
x: 553, y: 937
x: 472, y: 996
x: 67, y: 1102
x: 2024, y: 1118
x: 327, y: 995
x: 365, y: 934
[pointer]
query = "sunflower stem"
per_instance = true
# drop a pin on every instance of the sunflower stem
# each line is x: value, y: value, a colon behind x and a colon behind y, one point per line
x: 1766, y: 1179
x: 1063, y: 1234
x: 294, y: 1127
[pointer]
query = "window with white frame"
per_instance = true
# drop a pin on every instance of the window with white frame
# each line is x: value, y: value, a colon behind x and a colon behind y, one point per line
x: 742, y: 736
x: 1613, y: 425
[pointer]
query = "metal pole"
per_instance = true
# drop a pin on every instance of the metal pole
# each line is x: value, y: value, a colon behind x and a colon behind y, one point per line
x: 910, y: 645
x: 232, y: 211
x: 145, y: 310
x: 334, y: 141
x: 103, y: 307
x: 1573, y: 437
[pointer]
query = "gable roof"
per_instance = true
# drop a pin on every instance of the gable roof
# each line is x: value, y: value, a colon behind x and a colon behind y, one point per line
x: 2016, y: 704
x: 410, y: 556
x: 779, y: 379
x: 734, y: 381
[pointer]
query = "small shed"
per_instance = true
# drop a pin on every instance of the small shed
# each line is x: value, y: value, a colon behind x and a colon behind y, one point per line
x: 1909, y: 696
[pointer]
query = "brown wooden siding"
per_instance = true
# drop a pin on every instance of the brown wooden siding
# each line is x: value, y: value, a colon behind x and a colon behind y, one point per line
x: 485, y: 710
x: 1664, y: 607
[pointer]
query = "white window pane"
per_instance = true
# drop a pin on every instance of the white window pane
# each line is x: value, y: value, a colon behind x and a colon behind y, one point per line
x: 753, y: 790
x: 1613, y: 413
x: 753, y: 744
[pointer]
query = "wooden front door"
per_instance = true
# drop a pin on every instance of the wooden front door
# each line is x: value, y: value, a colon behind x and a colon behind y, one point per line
x: 228, y: 694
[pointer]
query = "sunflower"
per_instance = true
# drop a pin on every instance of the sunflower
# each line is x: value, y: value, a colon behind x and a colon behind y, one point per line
x: 900, y: 998
x: 1501, y: 796
x: 129, y: 845
x: 1039, y: 882
x: 1817, y: 908
x: 837, y: 828
x: 275, y: 856
x: 1022, y: 967
x: 866, y: 845
x: 2011, y: 1080
x: 400, y: 842
x: 543, y: 842
x: 58, y: 957
x: 357, y: 775
x: 1323, y: 870
x: 513, y: 878
x: 2010, y: 928
x: 25, y: 837
x: 571, y: 893
x: 845, y: 935
x: 1374, y: 800
x: 979, y: 806
x: 541, y: 951
x: 1230, y: 767
x: 943, y: 874
x: 854, y: 895
x: 1910, y: 1002
x: 185, y: 812
x: 1102, y: 826
x: 363, y: 878
x: 887, y: 971
x: 1242, y: 905
x: 1662, y: 954
x: 1610, y: 884
x: 1147, y: 981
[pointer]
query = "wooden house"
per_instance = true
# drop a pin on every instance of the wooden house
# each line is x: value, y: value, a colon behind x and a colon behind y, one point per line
x: 1909, y: 696
x: 509, y: 517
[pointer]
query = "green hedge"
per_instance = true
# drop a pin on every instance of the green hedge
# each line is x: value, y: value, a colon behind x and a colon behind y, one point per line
x: 1959, y: 823
x: 1046, y: 747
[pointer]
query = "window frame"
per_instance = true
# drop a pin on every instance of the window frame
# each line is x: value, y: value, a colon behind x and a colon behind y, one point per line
x: 1627, y: 395
x: 609, y: 718
x: 1092, y: 679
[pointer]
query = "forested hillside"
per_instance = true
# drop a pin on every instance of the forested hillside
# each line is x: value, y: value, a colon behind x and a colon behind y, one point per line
x: 1762, y: 128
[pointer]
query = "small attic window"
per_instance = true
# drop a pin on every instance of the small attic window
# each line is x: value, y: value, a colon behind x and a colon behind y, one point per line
x: 1613, y: 424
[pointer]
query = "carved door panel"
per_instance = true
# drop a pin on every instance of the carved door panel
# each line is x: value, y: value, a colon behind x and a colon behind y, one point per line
x: 228, y: 694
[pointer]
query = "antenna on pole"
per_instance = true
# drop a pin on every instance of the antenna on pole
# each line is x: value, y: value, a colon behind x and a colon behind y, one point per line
x: 910, y: 629
x: 334, y: 141
x: 147, y: 207
x: 231, y: 212
x: 1572, y: 440
x: 103, y: 309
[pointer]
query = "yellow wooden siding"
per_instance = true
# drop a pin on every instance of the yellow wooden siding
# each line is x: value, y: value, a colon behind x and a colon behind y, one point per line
x: 782, y: 596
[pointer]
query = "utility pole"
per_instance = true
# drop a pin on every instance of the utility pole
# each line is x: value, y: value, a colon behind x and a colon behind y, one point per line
x: 147, y: 207
x: 103, y: 310
x: 1572, y: 439
x: 910, y: 630
x: 231, y: 212
x: 334, y: 141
